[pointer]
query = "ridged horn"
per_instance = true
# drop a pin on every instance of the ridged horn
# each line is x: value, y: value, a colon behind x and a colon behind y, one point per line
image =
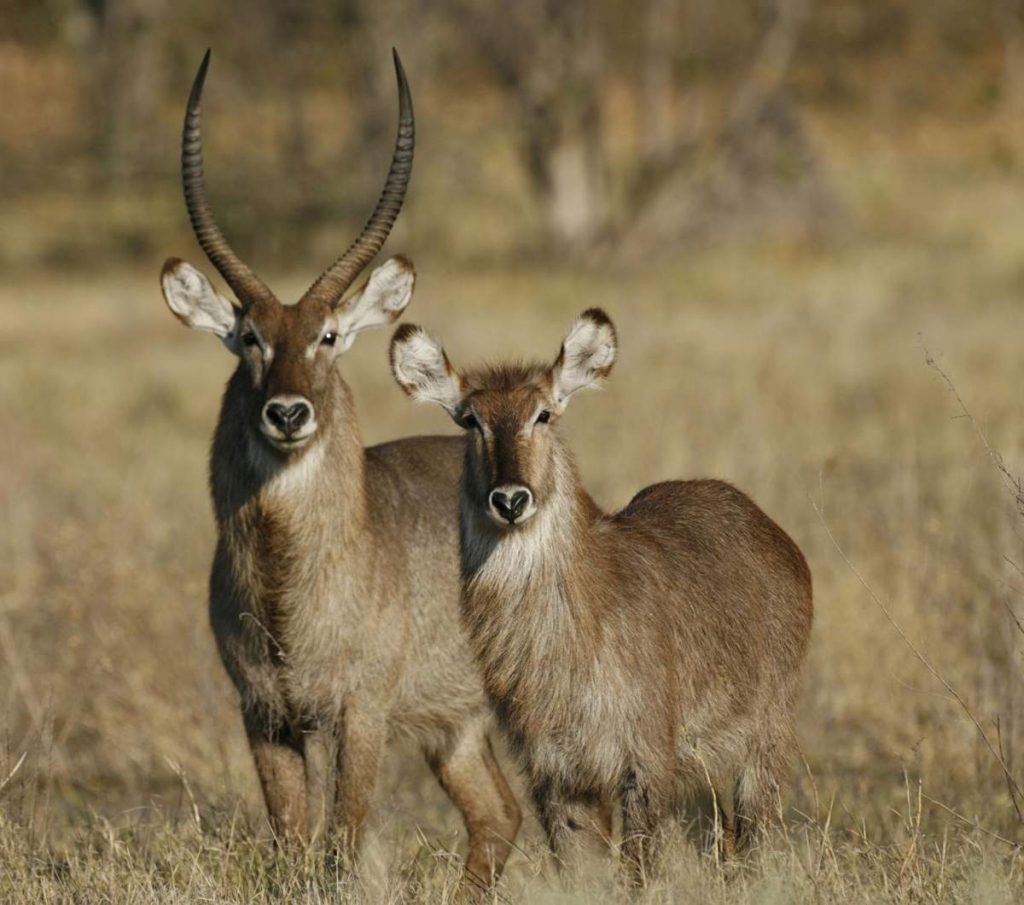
x: 332, y: 283
x: 246, y: 285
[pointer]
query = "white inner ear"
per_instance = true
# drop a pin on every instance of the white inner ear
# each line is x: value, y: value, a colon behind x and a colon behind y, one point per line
x: 195, y: 302
x: 379, y: 302
x: 588, y: 352
x: 420, y: 366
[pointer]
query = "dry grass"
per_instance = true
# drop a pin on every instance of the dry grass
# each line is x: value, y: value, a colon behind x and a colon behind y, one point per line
x: 799, y: 373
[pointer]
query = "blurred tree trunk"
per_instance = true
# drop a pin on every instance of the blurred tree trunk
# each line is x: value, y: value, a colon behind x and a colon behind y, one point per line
x: 657, y: 83
x: 771, y: 62
x: 663, y: 148
x: 127, y: 60
x: 369, y: 32
x: 1009, y: 19
x: 550, y: 56
x: 757, y: 161
x: 291, y: 24
x: 569, y: 168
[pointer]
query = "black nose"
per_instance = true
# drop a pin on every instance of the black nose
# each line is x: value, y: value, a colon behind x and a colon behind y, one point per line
x: 510, y: 505
x: 287, y: 418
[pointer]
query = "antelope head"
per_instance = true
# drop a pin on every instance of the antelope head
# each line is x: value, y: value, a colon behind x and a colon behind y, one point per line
x: 288, y: 351
x: 509, y: 411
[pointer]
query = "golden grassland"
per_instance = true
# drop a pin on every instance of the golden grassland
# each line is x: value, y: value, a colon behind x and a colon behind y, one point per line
x: 798, y: 371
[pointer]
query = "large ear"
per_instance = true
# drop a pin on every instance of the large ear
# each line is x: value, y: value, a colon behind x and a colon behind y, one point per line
x: 195, y: 302
x: 382, y: 299
x: 586, y: 357
x: 422, y: 369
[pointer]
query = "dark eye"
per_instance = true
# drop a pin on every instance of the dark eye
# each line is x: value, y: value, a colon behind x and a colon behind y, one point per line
x: 469, y: 421
x: 544, y: 417
x: 329, y: 338
x: 249, y: 338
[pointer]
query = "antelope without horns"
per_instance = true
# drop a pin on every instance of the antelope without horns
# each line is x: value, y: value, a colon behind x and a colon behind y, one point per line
x: 335, y: 582
x: 634, y: 657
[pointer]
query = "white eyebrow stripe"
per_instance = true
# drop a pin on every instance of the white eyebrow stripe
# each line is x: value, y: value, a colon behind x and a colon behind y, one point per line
x: 483, y: 424
x: 252, y: 328
x: 528, y: 427
x: 265, y: 347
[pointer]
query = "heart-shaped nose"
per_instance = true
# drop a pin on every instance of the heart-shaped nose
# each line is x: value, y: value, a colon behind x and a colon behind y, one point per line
x: 287, y: 417
x: 510, y: 502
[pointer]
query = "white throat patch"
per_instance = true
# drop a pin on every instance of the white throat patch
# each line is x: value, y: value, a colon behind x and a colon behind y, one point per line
x: 290, y: 475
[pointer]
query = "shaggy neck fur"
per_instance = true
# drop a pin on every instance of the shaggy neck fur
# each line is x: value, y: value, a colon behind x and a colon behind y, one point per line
x: 289, y: 521
x: 517, y: 604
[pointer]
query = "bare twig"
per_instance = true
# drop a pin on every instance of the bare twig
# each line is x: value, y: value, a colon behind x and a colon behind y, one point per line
x: 927, y: 663
x: 914, y: 825
x: 1009, y: 609
x: 482, y: 885
x: 1016, y: 486
x: 278, y: 650
x: 972, y: 823
x: 1002, y: 754
x: 1013, y: 483
x: 179, y: 771
x: 14, y: 769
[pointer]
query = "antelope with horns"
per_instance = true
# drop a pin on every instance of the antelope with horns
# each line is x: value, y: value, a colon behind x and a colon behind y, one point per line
x: 335, y: 582
x: 637, y: 657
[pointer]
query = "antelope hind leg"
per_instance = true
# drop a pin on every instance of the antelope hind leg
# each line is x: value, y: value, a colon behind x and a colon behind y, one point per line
x: 280, y: 764
x: 469, y: 773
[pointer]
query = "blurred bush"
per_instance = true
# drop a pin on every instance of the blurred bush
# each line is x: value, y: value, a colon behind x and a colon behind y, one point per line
x: 560, y: 126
